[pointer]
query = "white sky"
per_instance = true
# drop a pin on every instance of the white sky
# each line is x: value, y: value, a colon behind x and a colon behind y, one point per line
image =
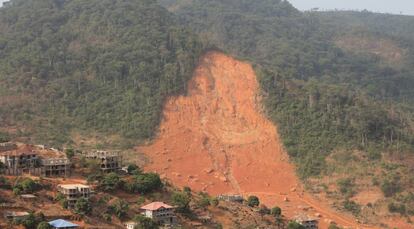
x: 383, y: 6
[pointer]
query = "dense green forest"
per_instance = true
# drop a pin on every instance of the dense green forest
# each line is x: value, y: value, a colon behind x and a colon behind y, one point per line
x: 321, y: 96
x: 96, y: 65
x: 106, y: 66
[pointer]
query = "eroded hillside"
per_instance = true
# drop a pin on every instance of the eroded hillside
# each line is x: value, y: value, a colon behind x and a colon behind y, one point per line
x: 215, y: 139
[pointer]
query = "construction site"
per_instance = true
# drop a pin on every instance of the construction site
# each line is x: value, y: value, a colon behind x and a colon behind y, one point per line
x: 36, y: 160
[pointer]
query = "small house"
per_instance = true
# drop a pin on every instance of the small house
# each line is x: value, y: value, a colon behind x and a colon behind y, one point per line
x: 160, y: 212
x: 15, y: 216
x: 130, y: 224
x: 307, y: 221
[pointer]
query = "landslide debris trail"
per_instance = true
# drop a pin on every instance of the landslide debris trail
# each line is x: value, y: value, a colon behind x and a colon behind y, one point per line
x: 215, y: 139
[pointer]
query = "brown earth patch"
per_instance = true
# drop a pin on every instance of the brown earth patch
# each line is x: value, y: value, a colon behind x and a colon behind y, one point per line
x: 387, y: 49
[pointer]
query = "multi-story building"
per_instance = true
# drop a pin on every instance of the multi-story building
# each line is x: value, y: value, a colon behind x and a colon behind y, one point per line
x: 159, y: 212
x: 109, y: 161
x: 56, y: 167
x: 73, y: 192
x: 14, y: 158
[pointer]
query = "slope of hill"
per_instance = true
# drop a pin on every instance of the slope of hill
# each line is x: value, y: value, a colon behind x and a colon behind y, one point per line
x: 344, y: 112
x: 215, y: 139
x: 91, y: 66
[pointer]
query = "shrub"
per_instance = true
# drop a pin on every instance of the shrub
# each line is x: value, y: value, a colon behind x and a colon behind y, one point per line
x: 294, y: 225
x: 276, y: 211
x: 26, y: 186
x: 145, y: 223
x: 120, y: 209
x: 253, y: 201
x: 264, y: 210
x: 346, y: 187
x: 203, y: 202
x: 214, y: 201
x: 43, y: 225
x: 390, y: 188
x: 397, y: 208
x: 144, y: 183
x: 187, y: 190
x: 133, y: 169
x: 110, y: 182
x: 181, y: 200
x: 70, y: 153
x: 4, y: 183
x: 82, y: 206
x: 351, y: 206
x: 333, y: 226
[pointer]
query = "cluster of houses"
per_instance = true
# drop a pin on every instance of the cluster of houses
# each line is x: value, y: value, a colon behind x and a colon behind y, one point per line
x: 159, y: 212
x: 37, y: 160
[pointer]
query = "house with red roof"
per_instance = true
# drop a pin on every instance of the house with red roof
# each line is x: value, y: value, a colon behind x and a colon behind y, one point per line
x: 159, y: 212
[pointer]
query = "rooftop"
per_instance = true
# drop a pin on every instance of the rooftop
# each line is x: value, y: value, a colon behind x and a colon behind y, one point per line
x: 60, y: 223
x: 25, y: 149
x: 155, y: 206
x: 73, y: 186
x: 16, y: 214
x: 304, y: 218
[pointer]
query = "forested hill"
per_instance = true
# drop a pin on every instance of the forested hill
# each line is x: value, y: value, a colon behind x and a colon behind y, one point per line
x: 331, y: 81
x: 74, y: 66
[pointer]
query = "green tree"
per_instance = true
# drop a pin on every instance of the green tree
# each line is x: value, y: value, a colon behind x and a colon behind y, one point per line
x: 333, y: 226
x: 30, y: 221
x: 253, y: 201
x: 110, y: 182
x: 70, y: 153
x: 144, y: 183
x: 144, y: 222
x: 43, y: 225
x: 295, y: 225
x: 120, y: 208
x: 181, y: 200
x: 276, y: 211
x: 82, y: 206
x: 134, y: 169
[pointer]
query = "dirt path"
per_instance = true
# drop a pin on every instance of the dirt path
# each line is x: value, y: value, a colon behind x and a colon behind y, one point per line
x: 215, y: 139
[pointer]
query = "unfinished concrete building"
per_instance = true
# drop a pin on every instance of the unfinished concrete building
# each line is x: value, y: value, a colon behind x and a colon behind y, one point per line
x: 109, y: 161
x: 18, y: 160
x: 306, y: 221
x: 73, y: 192
x: 56, y: 167
x: 7, y: 146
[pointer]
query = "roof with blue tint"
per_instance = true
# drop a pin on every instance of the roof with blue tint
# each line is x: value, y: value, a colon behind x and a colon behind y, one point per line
x: 60, y: 223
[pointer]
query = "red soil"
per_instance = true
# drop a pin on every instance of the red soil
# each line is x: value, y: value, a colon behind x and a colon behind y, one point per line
x: 215, y: 139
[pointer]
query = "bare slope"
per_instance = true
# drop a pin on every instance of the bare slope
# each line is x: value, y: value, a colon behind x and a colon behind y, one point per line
x: 216, y: 139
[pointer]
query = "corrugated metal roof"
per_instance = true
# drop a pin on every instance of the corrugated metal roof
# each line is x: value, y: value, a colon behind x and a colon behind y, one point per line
x: 60, y: 223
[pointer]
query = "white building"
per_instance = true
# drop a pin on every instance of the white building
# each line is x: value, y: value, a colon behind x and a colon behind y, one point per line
x: 130, y: 224
x: 159, y: 212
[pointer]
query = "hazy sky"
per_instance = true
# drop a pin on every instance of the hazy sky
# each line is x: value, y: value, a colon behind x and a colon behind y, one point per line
x: 383, y: 6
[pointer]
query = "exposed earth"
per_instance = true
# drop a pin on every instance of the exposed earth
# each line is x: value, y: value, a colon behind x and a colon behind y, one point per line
x: 216, y: 139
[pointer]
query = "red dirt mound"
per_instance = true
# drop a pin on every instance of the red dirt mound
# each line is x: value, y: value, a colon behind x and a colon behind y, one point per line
x: 215, y: 139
